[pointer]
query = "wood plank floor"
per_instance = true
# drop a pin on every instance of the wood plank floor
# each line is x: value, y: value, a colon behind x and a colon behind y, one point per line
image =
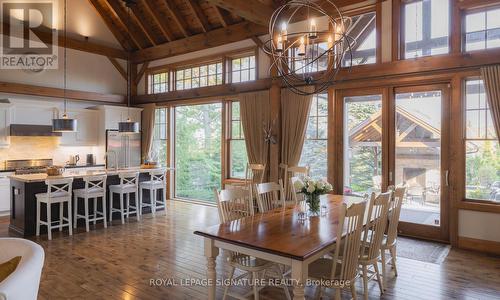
x: 119, y: 262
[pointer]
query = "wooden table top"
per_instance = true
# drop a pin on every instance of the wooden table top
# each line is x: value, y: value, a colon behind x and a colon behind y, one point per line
x: 281, y: 232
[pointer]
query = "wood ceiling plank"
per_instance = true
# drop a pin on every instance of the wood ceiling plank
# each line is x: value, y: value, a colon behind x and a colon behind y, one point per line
x: 200, y: 15
x: 159, y: 19
x: 222, y: 15
x: 178, y: 18
x: 134, y: 29
x: 147, y: 23
x: 252, y: 11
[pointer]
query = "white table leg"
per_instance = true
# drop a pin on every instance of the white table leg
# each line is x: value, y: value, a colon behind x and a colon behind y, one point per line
x: 299, y: 277
x: 211, y: 253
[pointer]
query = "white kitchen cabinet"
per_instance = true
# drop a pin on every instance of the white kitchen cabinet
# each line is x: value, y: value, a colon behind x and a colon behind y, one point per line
x: 4, y: 194
x: 5, y: 121
x: 113, y: 115
x: 87, y: 129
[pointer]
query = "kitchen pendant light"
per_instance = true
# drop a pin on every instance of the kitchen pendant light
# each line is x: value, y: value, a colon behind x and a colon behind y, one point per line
x: 128, y: 126
x: 64, y: 124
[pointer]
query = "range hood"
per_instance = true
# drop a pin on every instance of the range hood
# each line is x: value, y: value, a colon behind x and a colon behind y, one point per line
x: 32, y: 130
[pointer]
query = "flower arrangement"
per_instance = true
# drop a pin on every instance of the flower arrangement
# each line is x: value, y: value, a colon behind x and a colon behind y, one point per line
x: 312, y: 189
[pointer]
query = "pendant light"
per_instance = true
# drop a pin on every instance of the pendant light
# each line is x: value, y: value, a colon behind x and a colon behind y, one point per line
x: 128, y: 126
x: 64, y: 124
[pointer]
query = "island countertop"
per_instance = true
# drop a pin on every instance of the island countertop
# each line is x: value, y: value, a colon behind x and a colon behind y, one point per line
x: 75, y: 173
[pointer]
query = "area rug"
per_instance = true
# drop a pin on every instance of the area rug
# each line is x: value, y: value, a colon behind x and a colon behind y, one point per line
x: 426, y: 251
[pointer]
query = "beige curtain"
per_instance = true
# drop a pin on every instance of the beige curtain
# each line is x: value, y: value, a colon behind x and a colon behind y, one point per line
x: 491, y: 78
x: 147, y: 125
x: 254, y: 110
x: 294, y: 115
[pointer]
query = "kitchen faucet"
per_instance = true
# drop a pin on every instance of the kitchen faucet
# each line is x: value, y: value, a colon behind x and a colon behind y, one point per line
x: 106, y: 156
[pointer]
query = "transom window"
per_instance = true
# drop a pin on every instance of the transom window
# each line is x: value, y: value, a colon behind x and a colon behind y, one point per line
x: 302, y: 65
x: 482, y: 29
x: 426, y: 28
x: 363, y: 30
x: 199, y: 76
x: 158, y: 83
x: 243, y: 69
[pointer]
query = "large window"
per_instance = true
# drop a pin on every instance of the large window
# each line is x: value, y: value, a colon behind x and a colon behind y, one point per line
x: 158, y: 83
x: 482, y: 29
x: 363, y: 30
x: 362, y: 144
x: 301, y: 64
x: 243, y: 69
x: 314, y: 152
x: 482, y: 159
x: 426, y: 28
x: 160, y: 137
x: 198, y: 131
x: 199, y: 76
x: 237, y: 149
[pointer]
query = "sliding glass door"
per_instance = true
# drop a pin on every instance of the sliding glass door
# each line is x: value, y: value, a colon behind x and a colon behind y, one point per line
x: 197, y: 151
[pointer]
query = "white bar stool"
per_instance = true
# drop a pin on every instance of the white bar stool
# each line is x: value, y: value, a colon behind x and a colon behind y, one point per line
x: 128, y: 185
x: 95, y: 187
x: 157, y: 182
x: 58, y: 192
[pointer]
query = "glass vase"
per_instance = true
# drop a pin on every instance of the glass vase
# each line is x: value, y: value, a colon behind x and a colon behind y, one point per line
x: 313, y: 203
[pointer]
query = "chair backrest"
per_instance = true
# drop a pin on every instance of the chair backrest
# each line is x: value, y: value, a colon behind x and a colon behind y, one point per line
x: 129, y: 178
x: 158, y: 175
x: 287, y: 173
x: 377, y: 213
x: 59, y: 186
x: 233, y: 204
x: 270, y: 195
x: 349, y: 232
x: 395, y: 209
x: 95, y: 182
x: 254, y: 173
x: 296, y: 197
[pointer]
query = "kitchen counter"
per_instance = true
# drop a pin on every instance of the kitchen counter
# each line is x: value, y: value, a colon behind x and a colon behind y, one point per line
x: 74, y: 173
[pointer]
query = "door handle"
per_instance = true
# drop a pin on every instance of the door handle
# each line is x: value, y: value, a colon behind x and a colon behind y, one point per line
x: 447, y: 179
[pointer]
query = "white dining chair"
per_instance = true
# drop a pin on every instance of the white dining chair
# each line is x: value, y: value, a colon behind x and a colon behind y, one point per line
x: 234, y: 204
x: 127, y: 187
x: 270, y: 196
x: 95, y: 188
x: 58, y: 192
x: 372, y: 238
x: 156, y: 183
x: 254, y: 173
x: 287, y: 173
x: 296, y: 197
x: 343, y: 265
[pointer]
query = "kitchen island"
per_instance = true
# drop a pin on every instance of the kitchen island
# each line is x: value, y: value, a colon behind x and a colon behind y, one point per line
x: 23, y: 189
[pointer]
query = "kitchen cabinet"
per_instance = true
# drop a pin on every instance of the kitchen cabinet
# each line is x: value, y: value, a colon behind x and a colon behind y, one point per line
x: 87, y: 129
x: 113, y: 115
x: 4, y: 194
x: 5, y: 121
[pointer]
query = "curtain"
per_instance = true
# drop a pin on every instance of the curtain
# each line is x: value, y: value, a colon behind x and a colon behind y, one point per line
x: 294, y: 115
x: 491, y: 78
x: 254, y: 110
x: 148, y: 123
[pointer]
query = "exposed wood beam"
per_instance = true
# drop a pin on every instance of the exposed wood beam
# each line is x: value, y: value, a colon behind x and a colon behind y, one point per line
x: 146, y: 23
x: 159, y: 19
x: 132, y: 26
x: 252, y: 11
x: 202, y: 41
x: 141, y: 72
x: 34, y: 90
x: 200, y: 15
x: 118, y: 67
x: 179, y: 20
x: 114, y: 24
x: 221, y: 15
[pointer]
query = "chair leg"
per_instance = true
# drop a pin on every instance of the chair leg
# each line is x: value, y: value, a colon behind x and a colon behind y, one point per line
x: 37, y: 218
x: 353, y: 290
x: 127, y: 204
x: 86, y: 205
x: 393, y: 258
x: 61, y: 215
x: 164, y: 194
x: 122, y: 212
x: 379, y: 278
x: 382, y: 258
x: 282, y: 277
x: 226, y: 288
x: 318, y: 292
x: 337, y: 294
x: 49, y: 221
x: 255, y: 287
x: 365, y: 281
x: 152, y: 194
x: 111, y: 208
x: 140, y: 200
x: 70, y: 218
x: 104, y: 204
x: 95, y: 210
x: 75, y: 217
x: 137, y: 214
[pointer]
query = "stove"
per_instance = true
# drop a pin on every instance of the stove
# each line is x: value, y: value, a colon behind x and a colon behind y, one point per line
x: 28, y: 166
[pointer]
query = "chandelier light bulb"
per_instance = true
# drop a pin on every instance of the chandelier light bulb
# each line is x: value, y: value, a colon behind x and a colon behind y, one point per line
x: 313, y: 30
x: 279, y: 43
x: 284, y: 31
x: 302, y: 47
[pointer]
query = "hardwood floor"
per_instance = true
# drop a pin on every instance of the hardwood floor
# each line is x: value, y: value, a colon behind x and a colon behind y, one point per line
x: 119, y: 262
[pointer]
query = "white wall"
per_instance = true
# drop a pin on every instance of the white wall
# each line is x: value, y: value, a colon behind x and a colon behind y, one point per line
x: 479, y: 225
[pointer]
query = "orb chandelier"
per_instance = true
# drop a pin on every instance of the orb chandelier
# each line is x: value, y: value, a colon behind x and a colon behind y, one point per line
x: 309, y: 52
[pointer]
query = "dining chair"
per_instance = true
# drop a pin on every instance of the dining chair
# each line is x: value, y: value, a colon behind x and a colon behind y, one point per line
x: 234, y: 204
x: 343, y: 266
x: 254, y: 173
x: 373, y: 235
x: 389, y: 241
x: 270, y: 196
x: 297, y: 198
x: 286, y: 174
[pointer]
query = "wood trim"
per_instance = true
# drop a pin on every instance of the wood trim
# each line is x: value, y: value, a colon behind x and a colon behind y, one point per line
x: 474, y: 4
x: 456, y: 27
x: 118, y: 67
x: 491, y: 247
x: 378, y: 31
x: 141, y: 72
x: 396, y: 28
x: 479, y: 206
x: 25, y: 89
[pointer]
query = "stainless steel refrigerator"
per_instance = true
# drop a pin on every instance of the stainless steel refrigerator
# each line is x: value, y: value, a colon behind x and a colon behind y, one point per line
x: 127, y: 147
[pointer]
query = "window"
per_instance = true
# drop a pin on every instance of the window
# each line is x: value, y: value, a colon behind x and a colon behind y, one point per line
x: 363, y: 30
x: 314, y: 152
x: 482, y: 150
x: 158, y: 83
x: 243, y: 69
x: 482, y: 30
x: 301, y: 65
x: 199, y: 76
x: 426, y: 28
x: 159, y: 147
x: 237, y: 149
x: 198, y: 135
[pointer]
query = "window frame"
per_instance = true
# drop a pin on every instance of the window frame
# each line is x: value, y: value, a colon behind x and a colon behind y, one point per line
x: 228, y: 61
x: 377, y: 9
x: 148, y: 86
x: 229, y: 138
x: 464, y: 11
x: 196, y: 65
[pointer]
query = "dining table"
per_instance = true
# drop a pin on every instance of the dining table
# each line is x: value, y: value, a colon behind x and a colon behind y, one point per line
x: 281, y: 235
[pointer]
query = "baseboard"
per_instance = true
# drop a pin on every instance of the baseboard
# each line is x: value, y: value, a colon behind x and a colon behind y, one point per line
x: 491, y: 247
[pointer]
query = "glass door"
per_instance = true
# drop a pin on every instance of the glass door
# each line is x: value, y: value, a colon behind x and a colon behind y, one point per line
x: 420, y: 161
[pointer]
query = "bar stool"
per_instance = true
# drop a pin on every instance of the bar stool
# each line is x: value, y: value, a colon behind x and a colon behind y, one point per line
x: 58, y: 192
x: 127, y: 186
x: 157, y: 182
x: 95, y: 187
